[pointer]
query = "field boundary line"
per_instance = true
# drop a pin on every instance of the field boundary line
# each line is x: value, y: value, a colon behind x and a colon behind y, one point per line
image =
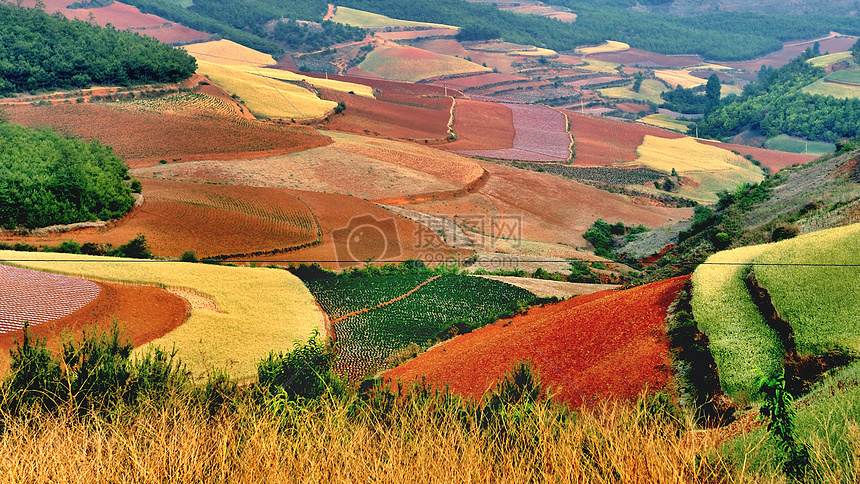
x: 386, y: 303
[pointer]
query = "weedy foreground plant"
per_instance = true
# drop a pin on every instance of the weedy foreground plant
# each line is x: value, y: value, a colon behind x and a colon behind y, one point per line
x: 151, y: 423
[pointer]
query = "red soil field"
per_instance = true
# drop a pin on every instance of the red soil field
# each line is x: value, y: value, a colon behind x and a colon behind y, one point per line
x: 632, y: 107
x: 142, y: 314
x: 480, y: 80
x: 400, y: 238
x: 482, y: 126
x: 211, y: 220
x: 552, y: 209
x: 143, y: 138
x: 38, y: 297
x: 541, y: 135
x: 602, y: 346
x: 775, y: 160
x: 389, y: 119
x: 793, y: 49
x: 604, y: 142
x: 498, y: 60
x: 573, y: 60
x: 127, y: 17
x: 416, y: 34
x: 634, y: 57
x: 591, y: 81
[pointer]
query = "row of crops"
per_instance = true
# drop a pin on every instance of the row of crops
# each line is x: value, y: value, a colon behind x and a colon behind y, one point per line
x: 813, y: 284
x: 367, y: 339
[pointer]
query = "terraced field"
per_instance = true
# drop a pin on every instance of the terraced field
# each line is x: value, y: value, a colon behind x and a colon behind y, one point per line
x: 405, y: 63
x: 259, y: 310
x: 367, y: 338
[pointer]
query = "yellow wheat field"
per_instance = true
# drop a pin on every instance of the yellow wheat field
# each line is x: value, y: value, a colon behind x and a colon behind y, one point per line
x: 367, y: 20
x: 608, y: 46
x: 259, y: 310
x: 226, y: 52
x: 266, y: 97
x: 709, y: 169
x: 358, y: 89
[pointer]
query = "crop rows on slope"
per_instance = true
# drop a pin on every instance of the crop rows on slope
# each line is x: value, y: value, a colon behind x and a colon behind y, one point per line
x: 38, y: 297
x: 366, y: 340
x: 187, y: 104
x: 541, y: 135
x: 343, y: 295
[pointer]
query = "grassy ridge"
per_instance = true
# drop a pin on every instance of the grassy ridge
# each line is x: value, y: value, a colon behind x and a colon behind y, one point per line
x: 259, y: 310
x: 742, y: 343
x: 822, y: 304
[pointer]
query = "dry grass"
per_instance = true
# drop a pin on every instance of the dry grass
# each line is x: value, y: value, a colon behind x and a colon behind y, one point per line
x: 420, y: 440
x: 266, y: 97
x: 260, y: 310
x: 608, y: 46
x: 226, y: 52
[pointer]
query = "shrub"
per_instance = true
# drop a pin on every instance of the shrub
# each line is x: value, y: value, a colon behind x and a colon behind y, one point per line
x: 189, y: 256
x: 304, y: 373
x: 784, y: 231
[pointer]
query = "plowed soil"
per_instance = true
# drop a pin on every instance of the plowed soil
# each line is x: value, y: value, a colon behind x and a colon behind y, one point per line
x: 792, y: 50
x: 634, y: 57
x: 365, y: 116
x: 482, y: 126
x: 144, y: 138
x: 604, y: 142
x: 142, y: 314
x: 211, y: 220
x: 603, y: 346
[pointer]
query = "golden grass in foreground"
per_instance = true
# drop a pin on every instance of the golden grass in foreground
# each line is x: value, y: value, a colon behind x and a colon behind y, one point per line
x: 608, y: 46
x: 420, y: 440
x: 266, y: 97
x: 226, y: 52
x: 260, y: 310
x: 367, y: 20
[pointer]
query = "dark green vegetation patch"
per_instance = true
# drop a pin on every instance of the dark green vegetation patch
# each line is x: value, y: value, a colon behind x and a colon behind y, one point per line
x: 46, y: 179
x: 40, y: 51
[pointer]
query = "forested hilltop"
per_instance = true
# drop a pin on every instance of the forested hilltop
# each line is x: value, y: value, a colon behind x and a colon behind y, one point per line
x: 41, y: 51
x: 46, y: 179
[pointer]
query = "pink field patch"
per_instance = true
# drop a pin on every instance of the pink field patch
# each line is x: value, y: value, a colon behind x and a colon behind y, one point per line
x: 39, y: 297
x: 636, y: 57
x: 481, y: 80
x: 541, y: 135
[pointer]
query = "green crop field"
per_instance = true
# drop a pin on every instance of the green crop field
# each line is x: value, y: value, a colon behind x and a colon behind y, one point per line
x: 667, y: 122
x: 828, y: 59
x: 791, y: 144
x: 852, y: 76
x: 365, y: 340
x: 742, y: 343
x: 822, y: 304
x: 259, y: 310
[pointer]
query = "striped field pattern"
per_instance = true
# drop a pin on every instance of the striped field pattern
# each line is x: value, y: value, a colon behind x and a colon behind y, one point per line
x: 39, y: 297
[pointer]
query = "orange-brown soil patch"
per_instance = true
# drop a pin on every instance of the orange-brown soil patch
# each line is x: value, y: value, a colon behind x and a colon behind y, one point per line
x: 633, y: 107
x: 775, y: 160
x: 498, y: 60
x: 482, y: 126
x: 604, y: 142
x: 143, y: 138
x: 636, y: 57
x: 793, y: 49
x: 386, y: 90
x: 392, y: 237
x: 389, y: 119
x: 551, y: 209
x: 602, y: 346
x: 142, y: 313
x: 127, y: 17
x: 211, y: 220
x: 416, y: 34
x: 482, y: 80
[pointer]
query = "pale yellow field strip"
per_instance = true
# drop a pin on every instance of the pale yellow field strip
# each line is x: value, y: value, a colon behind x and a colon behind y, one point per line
x: 259, y: 310
x: 608, y: 46
x: 686, y: 155
x: 679, y: 77
x: 535, y: 52
x: 367, y: 20
x: 343, y: 86
x: 266, y: 97
x: 226, y: 52
x: 826, y: 60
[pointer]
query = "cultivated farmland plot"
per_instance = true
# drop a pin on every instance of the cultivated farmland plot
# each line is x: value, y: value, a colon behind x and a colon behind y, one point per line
x: 366, y: 339
x: 541, y: 135
x: 258, y: 310
x: 38, y: 297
